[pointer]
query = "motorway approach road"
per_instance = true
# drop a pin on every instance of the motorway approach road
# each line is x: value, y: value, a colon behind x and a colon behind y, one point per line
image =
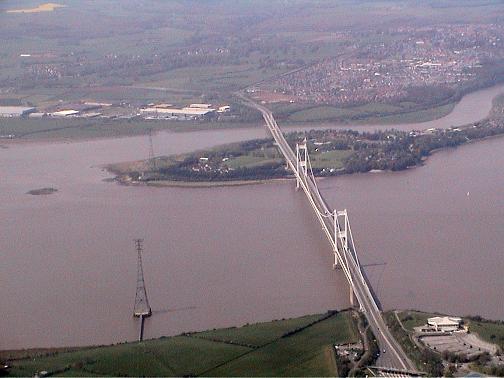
x: 391, y: 353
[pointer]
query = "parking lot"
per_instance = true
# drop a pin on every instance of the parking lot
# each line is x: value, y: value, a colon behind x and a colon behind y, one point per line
x: 459, y: 342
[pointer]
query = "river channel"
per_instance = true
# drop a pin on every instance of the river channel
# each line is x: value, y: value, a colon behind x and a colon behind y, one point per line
x: 431, y: 238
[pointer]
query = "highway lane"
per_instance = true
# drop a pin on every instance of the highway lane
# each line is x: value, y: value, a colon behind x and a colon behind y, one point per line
x: 392, y: 355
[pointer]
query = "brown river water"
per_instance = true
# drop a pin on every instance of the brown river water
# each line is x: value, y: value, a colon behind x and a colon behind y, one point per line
x: 431, y: 238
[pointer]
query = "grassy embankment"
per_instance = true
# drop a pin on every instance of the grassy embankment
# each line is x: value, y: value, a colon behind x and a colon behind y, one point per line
x: 373, y: 113
x: 293, y: 347
x: 490, y: 331
x: 79, y: 129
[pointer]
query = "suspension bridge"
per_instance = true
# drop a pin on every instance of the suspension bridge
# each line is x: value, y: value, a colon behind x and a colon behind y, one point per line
x: 336, y: 226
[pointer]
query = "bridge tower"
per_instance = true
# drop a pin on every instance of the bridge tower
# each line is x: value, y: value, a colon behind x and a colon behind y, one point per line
x: 141, y: 309
x: 343, y: 243
x: 343, y: 233
x: 301, y: 161
x: 340, y: 234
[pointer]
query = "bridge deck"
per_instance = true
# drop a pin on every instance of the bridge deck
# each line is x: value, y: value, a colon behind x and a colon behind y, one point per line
x: 347, y: 256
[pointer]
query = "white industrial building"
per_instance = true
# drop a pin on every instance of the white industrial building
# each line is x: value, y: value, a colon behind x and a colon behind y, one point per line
x: 15, y: 111
x: 37, y: 115
x: 445, y: 323
x: 201, y: 106
x: 184, y: 113
x: 65, y: 113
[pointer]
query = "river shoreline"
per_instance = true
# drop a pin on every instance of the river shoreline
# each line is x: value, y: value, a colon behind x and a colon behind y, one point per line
x: 124, y: 179
x: 272, y: 249
x: 196, y: 184
x: 287, y: 126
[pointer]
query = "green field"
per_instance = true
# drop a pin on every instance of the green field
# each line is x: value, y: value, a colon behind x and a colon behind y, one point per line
x: 213, y: 78
x: 292, y: 347
x: 248, y: 161
x: 411, y: 117
x: 300, y: 354
x: 493, y: 332
x: 411, y: 319
x: 256, y: 158
x: 330, y: 159
x: 323, y: 113
x: 259, y: 334
x: 373, y: 113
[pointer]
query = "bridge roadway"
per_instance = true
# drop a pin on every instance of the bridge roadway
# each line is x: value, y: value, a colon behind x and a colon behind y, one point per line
x: 391, y: 353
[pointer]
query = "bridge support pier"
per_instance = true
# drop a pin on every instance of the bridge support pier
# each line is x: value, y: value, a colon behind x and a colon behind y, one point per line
x: 141, y: 331
x: 335, y: 264
x: 352, y: 297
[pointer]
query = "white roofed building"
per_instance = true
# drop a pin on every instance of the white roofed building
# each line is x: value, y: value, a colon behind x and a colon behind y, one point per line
x: 201, y: 106
x: 65, y: 113
x: 184, y: 113
x: 445, y: 323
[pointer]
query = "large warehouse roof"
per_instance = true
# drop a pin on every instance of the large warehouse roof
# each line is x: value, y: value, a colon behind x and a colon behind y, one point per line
x: 183, y: 111
x: 15, y: 110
